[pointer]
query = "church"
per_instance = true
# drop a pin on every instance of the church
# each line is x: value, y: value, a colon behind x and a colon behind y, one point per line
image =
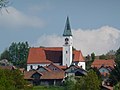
x: 61, y: 56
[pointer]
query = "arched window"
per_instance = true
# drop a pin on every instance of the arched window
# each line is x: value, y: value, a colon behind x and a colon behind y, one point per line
x: 31, y: 67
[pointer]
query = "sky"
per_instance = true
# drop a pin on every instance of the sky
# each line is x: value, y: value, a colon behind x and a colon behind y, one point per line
x: 95, y: 24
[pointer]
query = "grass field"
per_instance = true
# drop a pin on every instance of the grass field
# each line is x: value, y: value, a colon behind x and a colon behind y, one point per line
x: 48, y: 88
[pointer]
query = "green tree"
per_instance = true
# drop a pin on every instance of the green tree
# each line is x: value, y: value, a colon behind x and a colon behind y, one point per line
x: 110, y: 54
x: 102, y: 56
x: 5, y: 55
x: 117, y: 54
x: 89, y: 60
x: 92, y: 56
x: 117, y: 86
x: 69, y: 83
x: 12, y: 80
x: 4, y: 4
x: 6, y: 82
x: 115, y: 73
x: 88, y: 82
x: 17, y: 54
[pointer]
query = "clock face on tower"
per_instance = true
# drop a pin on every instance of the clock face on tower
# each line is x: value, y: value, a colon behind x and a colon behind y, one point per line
x: 66, y: 41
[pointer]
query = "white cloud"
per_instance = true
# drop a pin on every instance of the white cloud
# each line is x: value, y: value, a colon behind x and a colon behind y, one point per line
x: 17, y: 19
x: 99, y: 40
x: 50, y: 41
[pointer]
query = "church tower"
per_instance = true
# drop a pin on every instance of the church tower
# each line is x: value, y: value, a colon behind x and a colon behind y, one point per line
x: 67, y: 46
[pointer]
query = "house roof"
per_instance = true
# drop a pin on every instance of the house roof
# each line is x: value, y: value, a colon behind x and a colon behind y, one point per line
x: 53, y: 66
x: 48, y: 74
x: 8, y: 67
x: 50, y: 54
x: 74, y: 69
x: 45, y: 68
x: 105, y: 63
x: 44, y: 75
x: 62, y: 67
x: 77, y: 56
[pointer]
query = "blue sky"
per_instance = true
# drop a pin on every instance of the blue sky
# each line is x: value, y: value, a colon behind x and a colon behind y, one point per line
x: 41, y: 23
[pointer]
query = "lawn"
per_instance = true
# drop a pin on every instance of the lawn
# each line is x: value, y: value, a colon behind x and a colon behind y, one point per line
x: 48, y: 88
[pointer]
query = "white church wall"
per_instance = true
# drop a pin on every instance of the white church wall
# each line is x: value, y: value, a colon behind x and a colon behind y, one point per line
x: 82, y: 64
x: 67, y: 55
x: 34, y: 66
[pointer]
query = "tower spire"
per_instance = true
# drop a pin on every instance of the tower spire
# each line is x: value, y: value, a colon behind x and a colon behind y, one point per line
x: 67, y: 47
x: 67, y: 30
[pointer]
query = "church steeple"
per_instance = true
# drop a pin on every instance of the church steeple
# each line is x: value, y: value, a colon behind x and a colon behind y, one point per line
x: 67, y: 46
x: 67, y: 30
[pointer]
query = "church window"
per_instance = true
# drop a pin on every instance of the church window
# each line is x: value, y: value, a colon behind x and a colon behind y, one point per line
x: 66, y: 52
x: 31, y: 67
x: 66, y: 39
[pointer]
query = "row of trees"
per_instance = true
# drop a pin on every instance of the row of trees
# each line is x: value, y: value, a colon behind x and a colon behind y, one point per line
x: 17, y: 54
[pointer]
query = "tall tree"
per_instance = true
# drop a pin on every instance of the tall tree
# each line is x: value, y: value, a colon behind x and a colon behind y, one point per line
x: 93, y: 56
x: 102, y: 56
x: 5, y: 55
x: 117, y: 54
x: 4, y: 4
x: 115, y: 74
x: 17, y: 53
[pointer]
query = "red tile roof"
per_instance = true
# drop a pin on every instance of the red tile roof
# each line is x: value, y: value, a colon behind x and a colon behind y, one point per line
x: 78, y: 56
x: 105, y: 63
x: 62, y: 67
x: 48, y: 55
x: 37, y: 55
x: 51, y: 66
x: 44, y: 75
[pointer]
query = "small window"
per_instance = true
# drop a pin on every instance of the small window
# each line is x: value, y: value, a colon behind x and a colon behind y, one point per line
x: 103, y: 70
x: 66, y: 52
x: 54, y: 69
x: 66, y: 39
x: 31, y: 67
x: 38, y: 66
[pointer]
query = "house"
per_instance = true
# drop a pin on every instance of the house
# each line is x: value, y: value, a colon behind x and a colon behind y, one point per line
x: 104, y: 66
x: 4, y: 62
x: 61, y: 56
x: 52, y: 74
x: 74, y: 70
x: 45, y: 75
